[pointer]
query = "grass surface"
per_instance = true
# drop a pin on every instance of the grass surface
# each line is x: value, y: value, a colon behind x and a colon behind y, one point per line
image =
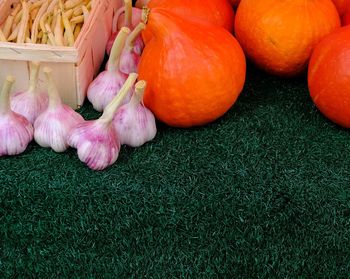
x: 261, y: 193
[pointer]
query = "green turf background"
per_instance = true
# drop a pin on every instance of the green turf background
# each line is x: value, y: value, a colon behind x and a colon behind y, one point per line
x: 261, y: 193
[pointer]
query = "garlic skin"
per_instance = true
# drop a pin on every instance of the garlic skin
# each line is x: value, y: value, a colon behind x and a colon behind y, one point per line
x: 135, y: 123
x: 107, y: 84
x: 139, y: 45
x: 130, y: 59
x: 52, y: 127
x: 32, y: 102
x: 129, y: 62
x: 97, y: 141
x: 98, y: 144
x: 29, y: 105
x: 102, y: 90
x: 16, y: 132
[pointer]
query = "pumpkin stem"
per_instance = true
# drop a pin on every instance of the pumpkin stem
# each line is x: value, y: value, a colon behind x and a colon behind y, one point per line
x: 145, y: 14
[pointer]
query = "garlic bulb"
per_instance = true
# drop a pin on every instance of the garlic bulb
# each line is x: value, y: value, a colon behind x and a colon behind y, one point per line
x: 16, y: 132
x: 51, y: 128
x: 139, y: 45
x: 130, y: 59
x: 107, y: 84
x: 33, y: 102
x: 126, y: 16
x: 134, y: 122
x: 97, y: 141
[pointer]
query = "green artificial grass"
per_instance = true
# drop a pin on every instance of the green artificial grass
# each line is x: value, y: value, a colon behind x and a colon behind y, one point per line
x: 261, y: 193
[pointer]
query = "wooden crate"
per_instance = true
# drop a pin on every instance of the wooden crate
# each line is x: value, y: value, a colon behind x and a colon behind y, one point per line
x: 73, y: 67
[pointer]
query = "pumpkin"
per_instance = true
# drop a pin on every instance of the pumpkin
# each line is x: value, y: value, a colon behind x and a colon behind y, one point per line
x: 342, y: 6
x: 346, y: 18
x: 235, y: 3
x: 218, y: 12
x: 279, y: 36
x: 329, y: 76
x: 194, y: 72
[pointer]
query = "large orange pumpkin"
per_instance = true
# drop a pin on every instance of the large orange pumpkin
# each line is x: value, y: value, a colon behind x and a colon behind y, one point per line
x: 279, y: 36
x: 194, y: 72
x: 329, y: 76
x: 342, y: 6
x: 218, y: 12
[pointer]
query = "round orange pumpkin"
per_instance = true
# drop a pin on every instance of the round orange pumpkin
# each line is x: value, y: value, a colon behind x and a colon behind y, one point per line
x: 194, y: 72
x: 279, y: 36
x: 329, y: 76
x: 218, y: 12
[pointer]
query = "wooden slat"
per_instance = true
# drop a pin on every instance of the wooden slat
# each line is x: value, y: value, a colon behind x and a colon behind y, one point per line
x: 19, y: 69
x: 13, y: 51
x: 84, y: 76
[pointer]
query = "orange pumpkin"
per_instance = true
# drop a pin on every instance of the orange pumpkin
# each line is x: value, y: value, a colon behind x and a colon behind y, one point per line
x: 329, y: 76
x: 218, y: 12
x: 279, y: 35
x: 342, y: 6
x: 346, y: 18
x: 235, y: 3
x: 194, y: 72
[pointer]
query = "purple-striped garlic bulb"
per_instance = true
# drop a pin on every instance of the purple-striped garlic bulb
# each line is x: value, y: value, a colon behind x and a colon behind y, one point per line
x: 32, y: 102
x: 16, y: 132
x: 97, y: 141
x: 130, y: 59
x: 51, y: 128
x: 107, y: 84
x: 135, y: 123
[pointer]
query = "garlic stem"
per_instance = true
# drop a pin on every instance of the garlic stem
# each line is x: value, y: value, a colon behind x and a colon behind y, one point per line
x: 4, y: 96
x: 54, y: 97
x: 137, y: 97
x: 130, y: 41
x: 117, y: 48
x: 34, y: 74
x: 112, y: 107
x: 128, y: 13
